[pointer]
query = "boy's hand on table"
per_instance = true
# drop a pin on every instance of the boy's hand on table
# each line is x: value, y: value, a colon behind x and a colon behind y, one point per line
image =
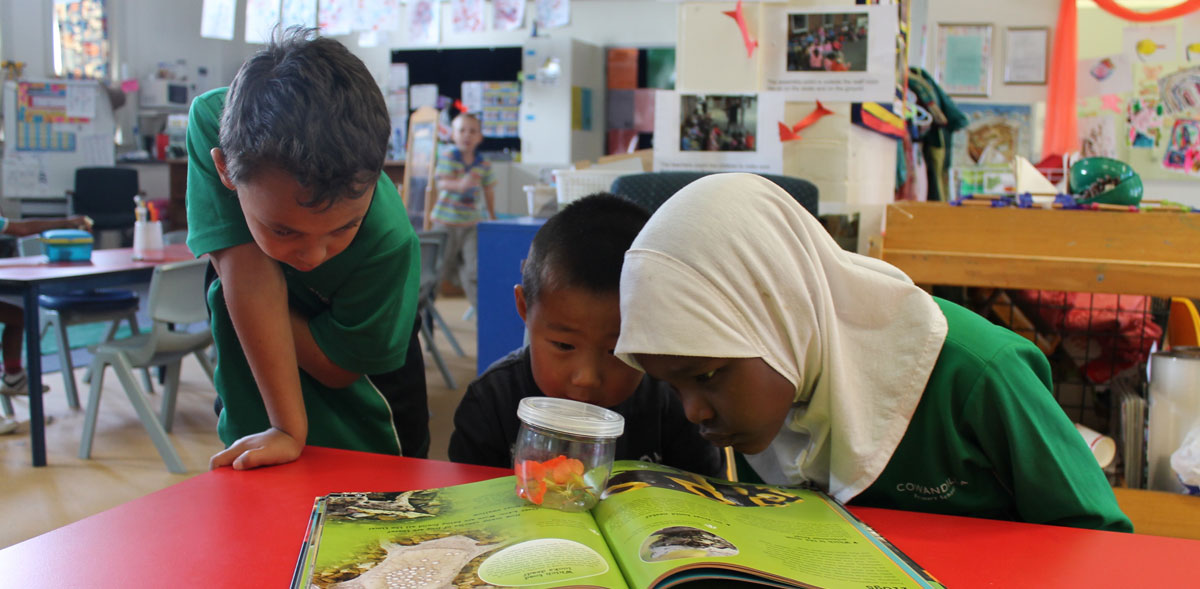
x: 267, y: 448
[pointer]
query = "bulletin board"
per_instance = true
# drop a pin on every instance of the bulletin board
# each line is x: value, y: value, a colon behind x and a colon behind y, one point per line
x: 1138, y: 91
x: 53, y: 127
x: 449, y: 68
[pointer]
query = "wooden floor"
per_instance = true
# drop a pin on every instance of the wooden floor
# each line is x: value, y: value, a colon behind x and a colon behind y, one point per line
x: 124, y: 464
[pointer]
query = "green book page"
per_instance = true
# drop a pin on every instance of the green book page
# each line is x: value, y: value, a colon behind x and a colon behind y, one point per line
x: 473, y: 535
x: 660, y: 521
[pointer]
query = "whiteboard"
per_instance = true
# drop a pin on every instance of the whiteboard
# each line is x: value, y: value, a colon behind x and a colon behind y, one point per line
x: 51, y: 128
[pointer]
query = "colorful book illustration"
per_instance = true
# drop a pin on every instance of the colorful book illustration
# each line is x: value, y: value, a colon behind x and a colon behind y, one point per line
x: 654, y: 527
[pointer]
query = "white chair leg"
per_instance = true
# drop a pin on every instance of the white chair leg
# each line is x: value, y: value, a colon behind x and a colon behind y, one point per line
x: 446, y: 330
x: 108, y: 337
x: 147, y: 381
x: 153, y: 426
x: 170, y: 392
x: 64, y: 362
x: 206, y: 364
x: 437, y: 356
x: 6, y: 405
x: 93, y: 406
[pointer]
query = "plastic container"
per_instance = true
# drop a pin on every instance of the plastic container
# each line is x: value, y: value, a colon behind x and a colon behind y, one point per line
x: 542, y: 200
x: 67, y: 245
x: 564, y: 452
x: 575, y: 184
x: 148, y: 240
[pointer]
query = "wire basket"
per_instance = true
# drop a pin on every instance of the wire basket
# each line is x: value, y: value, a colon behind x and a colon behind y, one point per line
x: 576, y: 184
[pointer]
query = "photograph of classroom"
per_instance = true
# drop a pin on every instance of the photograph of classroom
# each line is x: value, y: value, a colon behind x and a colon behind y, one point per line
x: 934, y: 260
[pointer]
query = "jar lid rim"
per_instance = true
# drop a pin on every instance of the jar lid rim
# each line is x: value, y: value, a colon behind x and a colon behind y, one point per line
x: 571, y: 417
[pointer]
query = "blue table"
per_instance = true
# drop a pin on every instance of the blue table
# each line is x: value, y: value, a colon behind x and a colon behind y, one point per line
x: 503, y: 245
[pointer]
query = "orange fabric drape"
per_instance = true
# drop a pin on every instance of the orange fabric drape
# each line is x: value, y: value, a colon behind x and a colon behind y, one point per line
x: 1111, y: 7
x: 1061, y: 135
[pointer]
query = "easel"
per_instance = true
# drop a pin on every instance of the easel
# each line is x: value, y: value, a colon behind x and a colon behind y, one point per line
x: 419, y: 188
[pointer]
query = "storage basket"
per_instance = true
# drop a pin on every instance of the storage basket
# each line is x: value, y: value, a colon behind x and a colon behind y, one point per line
x: 576, y: 184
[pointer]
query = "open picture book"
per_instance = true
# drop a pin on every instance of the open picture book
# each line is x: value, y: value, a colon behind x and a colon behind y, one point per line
x: 653, y: 527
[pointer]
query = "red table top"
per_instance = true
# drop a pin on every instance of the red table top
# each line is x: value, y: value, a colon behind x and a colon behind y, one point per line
x: 36, y: 268
x: 243, y: 529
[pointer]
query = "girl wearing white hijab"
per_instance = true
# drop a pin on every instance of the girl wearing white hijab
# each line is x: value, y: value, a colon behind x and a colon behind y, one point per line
x: 830, y: 368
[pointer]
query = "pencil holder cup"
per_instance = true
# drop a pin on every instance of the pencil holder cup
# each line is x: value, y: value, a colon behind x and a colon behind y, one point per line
x: 564, y: 452
x: 147, y: 240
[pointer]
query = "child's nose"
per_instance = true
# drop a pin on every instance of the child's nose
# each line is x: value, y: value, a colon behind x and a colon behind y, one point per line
x: 695, y: 408
x: 312, y: 254
x: 585, y: 383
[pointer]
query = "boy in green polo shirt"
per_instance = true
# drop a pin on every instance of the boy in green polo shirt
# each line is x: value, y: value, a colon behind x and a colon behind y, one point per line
x: 317, y: 263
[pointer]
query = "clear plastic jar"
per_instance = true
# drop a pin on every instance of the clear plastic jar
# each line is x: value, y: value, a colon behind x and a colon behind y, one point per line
x: 564, y: 452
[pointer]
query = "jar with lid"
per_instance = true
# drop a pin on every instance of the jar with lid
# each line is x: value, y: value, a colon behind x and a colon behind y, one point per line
x: 564, y: 452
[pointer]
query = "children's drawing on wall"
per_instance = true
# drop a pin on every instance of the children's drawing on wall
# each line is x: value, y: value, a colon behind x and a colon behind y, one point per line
x: 1154, y: 44
x: 717, y: 123
x: 553, y: 13
x: 1098, y: 136
x: 1180, y: 90
x: 508, y: 15
x: 717, y: 131
x: 424, y: 22
x: 298, y: 12
x: 1183, y: 150
x: 1144, y: 116
x: 845, y: 54
x: 466, y: 16
x: 1103, y: 75
x: 827, y: 42
x: 995, y: 134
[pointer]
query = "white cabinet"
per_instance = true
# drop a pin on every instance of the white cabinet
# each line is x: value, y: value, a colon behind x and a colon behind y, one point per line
x: 562, y: 102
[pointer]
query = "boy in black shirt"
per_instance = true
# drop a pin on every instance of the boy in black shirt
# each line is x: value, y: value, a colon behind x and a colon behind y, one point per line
x: 570, y: 301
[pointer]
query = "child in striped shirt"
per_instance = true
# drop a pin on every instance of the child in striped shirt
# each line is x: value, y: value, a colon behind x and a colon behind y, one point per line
x: 462, y: 177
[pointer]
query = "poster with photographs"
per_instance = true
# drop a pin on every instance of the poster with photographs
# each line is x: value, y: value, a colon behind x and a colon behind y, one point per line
x: 718, y: 132
x: 846, y: 54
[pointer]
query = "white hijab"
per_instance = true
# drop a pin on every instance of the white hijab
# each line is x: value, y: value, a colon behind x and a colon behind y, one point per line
x: 732, y: 267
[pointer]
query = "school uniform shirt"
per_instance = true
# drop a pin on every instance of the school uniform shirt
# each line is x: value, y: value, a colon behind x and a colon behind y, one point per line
x: 361, y: 304
x: 656, y: 430
x: 462, y: 208
x: 988, y: 440
x: 901, y: 399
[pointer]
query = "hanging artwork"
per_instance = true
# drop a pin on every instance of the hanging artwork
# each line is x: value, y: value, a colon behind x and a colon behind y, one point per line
x: 1154, y: 44
x: 261, y: 18
x: 964, y: 65
x: 553, y: 13
x: 1180, y: 91
x: 1098, y: 136
x: 337, y: 17
x: 424, y: 22
x: 718, y: 132
x: 508, y: 15
x: 466, y: 16
x: 844, y: 54
x: 1112, y: 74
x: 83, y: 38
x: 1144, y: 116
x: 995, y: 133
x: 216, y: 19
x: 378, y: 16
x: 298, y: 12
x: 1183, y: 150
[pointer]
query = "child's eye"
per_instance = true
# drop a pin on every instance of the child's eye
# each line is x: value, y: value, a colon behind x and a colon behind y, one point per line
x: 564, y: 347
x: 707, y: 376
x: 283, y: 232
x: 346, y: 228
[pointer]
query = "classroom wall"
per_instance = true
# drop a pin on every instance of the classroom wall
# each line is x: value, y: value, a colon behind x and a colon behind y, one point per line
x: 1099, y: 34
x: 640, y: 23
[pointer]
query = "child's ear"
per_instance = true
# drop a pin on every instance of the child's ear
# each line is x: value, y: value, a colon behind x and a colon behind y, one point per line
x: 219, y: 160
x: 519, y: 295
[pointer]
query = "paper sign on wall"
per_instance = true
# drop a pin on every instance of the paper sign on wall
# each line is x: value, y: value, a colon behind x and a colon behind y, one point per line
x: 718, y: 132
x: 846, y: 53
